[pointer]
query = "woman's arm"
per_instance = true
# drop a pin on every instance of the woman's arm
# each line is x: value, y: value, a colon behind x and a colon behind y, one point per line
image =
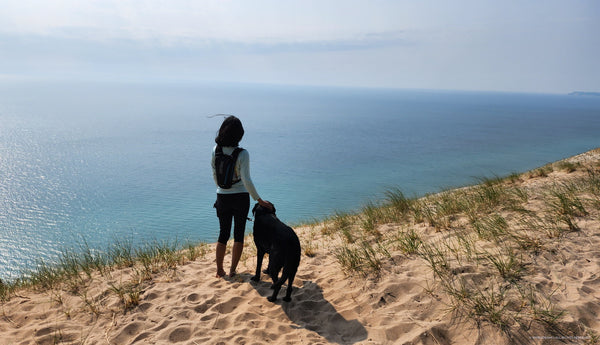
x: 244, y: 172
x: 244, y: 159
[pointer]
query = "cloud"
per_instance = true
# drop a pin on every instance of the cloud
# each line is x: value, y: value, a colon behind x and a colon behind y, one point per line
x: 227, y: 20
x: 126, y: 49
x: 267, y: 61
x: 360, y: 42
x: 465, y: 44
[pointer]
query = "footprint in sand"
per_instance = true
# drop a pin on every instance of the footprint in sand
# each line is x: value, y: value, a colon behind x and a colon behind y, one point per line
x: 203, y: 307
x: 151, y: 296
x: 144, y: 307
x: 587, y: 290
x: 193, y: 298
x: 593, y: 280
x: 162, y: 326
x: 180, y: 334
x: 246, y: 317
x: 44, y: 331
x: 209, y: 317
x: 229, y: 306
x: 588, y: 313
x: 127, y: 333
x: 141, y: 337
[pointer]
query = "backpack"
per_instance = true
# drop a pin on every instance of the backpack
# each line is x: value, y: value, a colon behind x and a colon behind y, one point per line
x: 225, y: 167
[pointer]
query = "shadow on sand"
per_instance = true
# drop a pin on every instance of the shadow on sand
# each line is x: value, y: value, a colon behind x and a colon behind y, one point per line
x: 309, y: 301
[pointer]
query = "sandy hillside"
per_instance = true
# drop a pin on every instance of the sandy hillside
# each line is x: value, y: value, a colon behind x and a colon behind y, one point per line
x: 513, y: 268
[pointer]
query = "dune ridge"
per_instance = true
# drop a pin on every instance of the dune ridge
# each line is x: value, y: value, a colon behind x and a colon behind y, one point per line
x: 521, y: 272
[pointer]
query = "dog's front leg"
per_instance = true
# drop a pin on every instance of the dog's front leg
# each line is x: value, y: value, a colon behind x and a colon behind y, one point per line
x: 259, y: 259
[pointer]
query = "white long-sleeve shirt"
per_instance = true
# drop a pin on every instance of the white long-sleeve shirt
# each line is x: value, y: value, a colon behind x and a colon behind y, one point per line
x: 242, y: 171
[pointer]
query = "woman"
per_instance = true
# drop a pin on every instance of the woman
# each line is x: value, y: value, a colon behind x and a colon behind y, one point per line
x: 233, y: 203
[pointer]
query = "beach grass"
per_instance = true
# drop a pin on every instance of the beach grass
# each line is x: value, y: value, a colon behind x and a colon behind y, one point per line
x: 479, y: 246
x: 75, y: 269
x: 492, y: 226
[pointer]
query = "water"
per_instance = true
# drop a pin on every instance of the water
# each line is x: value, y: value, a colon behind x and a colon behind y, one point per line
x: 98, y: 163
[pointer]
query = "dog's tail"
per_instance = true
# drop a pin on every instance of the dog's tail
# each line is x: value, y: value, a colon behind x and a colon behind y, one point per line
x: 284, y: 276
x: 292, y: 262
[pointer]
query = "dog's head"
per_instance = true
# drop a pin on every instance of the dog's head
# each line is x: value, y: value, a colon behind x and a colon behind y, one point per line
x: 259, y: 210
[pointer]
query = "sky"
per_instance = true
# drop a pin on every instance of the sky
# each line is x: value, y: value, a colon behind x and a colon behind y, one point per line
x: 547, y: 46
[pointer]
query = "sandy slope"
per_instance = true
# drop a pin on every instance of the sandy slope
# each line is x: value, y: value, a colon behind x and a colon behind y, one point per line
x: 404, y: 305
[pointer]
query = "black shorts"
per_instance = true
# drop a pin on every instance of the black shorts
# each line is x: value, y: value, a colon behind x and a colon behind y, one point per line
x: 232, y: 207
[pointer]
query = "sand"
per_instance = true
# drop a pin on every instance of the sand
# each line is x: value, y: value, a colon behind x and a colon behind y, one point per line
x: 402, y: 304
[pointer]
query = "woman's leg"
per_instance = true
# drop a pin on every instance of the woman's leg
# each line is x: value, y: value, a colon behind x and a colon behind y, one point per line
x: 221, y: 248
x: 239, y: 229
x: 225, y: 218
x: 236, y: 254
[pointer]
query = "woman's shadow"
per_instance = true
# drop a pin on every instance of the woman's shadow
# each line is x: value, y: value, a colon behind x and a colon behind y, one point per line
x: 310, y: 310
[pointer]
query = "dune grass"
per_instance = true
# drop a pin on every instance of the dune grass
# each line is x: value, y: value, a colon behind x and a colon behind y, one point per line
x: 75, y: 270
x: 491, y: 226
x: 481, y: 262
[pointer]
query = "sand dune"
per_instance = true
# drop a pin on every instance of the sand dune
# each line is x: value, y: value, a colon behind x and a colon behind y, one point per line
x: 402, y: 303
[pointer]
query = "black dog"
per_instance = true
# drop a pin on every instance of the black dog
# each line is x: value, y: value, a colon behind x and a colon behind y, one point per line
x: 281, y: 243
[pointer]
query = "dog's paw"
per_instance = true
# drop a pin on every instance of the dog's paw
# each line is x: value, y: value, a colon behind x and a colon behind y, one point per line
x: 255, y: 278
x: 272, y: 299
x: 287, y: 299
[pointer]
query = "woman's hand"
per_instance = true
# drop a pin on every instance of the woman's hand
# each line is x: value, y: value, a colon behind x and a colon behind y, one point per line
x: 265, y: 204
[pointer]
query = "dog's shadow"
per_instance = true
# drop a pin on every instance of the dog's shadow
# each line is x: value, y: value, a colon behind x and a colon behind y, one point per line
x: 310, y: 310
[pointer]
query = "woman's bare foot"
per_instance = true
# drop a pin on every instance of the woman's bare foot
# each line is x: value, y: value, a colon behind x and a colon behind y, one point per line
x: 220, y: 274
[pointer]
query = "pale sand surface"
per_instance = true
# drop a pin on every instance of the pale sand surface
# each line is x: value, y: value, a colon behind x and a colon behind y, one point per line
x: 402, y: 305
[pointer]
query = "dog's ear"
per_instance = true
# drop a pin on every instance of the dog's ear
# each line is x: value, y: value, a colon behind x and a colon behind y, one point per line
x: 254, y: 208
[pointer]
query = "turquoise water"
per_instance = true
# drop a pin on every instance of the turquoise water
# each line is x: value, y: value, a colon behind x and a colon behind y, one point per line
x: 99, y: 163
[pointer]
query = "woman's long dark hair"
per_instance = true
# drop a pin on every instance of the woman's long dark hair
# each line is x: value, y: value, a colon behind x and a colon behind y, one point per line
x: 230, y: 133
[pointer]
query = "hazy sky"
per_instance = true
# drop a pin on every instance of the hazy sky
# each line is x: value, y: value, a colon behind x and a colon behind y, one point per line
x: 522, y: 45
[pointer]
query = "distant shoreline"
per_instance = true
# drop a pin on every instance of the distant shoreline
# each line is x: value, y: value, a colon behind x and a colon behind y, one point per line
x: 583, y: 93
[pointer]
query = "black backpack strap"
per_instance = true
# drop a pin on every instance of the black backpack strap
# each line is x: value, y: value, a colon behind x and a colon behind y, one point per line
x: 236, y: 152
x: 234, y: 156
